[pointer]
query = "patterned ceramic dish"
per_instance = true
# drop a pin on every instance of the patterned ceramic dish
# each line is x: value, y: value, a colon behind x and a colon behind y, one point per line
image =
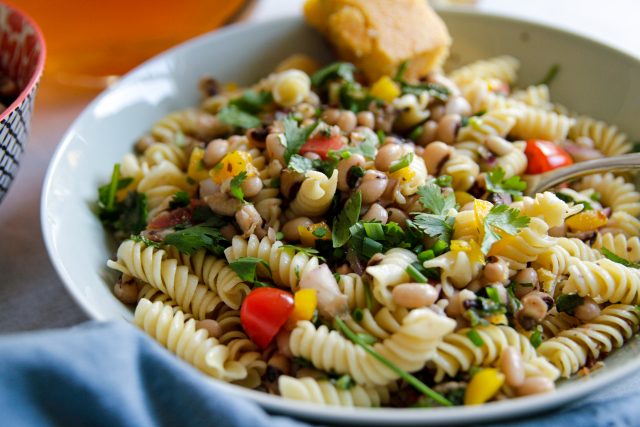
x: 22, y: 54
x: 77, y: 243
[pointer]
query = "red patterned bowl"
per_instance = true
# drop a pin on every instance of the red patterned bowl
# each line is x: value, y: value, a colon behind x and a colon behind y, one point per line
x: 22, y: 54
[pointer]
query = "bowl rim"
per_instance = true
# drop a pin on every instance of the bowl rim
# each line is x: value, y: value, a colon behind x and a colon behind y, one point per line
x: 491, y: 411
x: 35, y: 77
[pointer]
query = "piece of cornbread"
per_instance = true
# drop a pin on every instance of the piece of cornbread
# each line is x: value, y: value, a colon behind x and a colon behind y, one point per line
x: 379, y: 35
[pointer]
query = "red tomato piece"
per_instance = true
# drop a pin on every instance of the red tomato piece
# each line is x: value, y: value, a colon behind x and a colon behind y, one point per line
x: 264, y: 312
x: 170, y: 219
x: 543, y: 156
x: 321, y: 144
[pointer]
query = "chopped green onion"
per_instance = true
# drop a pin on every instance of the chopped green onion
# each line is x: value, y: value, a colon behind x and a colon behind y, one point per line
x: 279, y: 235
x: 370, y: 247
x: 345, y: 382
x: 367, y: 339
x: 551, y: 74
x: 426, y: 255
x: 374, y: 230
x: 440, y: 247
x: 320, y: 232
x: 357, y: 314
x: 536, y: 338
x: 416, y: 383
x: 416, y: 132
x: 444, y: 181
x: 402, y: 162
x: 475, y: 338
x: 493, y: 294
x: 415, y: 274
x: 368, y: 297
x: 381, y: 136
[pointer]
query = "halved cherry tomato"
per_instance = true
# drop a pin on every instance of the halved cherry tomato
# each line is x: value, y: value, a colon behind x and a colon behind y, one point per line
x: 170, y: 218
x: 264, y: 312
x: 321, y: 144
x: 544, y: 156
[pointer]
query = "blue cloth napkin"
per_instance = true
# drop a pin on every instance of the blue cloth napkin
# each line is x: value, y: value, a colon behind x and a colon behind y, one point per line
x: 111, y: 374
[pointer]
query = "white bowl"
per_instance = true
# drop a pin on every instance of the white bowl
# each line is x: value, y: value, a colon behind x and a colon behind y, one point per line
x: 594, y: 79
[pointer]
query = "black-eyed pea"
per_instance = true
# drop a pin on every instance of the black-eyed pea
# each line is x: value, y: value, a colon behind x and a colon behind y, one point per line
x: 251, y: 186
x: 397, y: 216
x: 448, y: 128
x: 496, y: 271
x: 387, y: 154
x: 588, y: 310
x: 290, y: 228
x: 215, y: 151
x: 126, y: 290
x: 347, y: 121
x: 458, y: 105
x: 435, y: 155
x: 525, y: 281
x: 367, y: 119
x: 376, y: 213
x: 211, y: 326
x: 275, y: 147
x: 429, y: 132
x: 535, y: 305
x: 512, y: 366
x: 282, y: 341
x: 344, y: 167
x: 372, y: 186
x: 414, y: 295
x: 331, y: 116
x: 535, y: 385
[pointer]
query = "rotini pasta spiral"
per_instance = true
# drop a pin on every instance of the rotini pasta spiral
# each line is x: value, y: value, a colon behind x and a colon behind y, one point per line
x: 390, y: 271
x: 315, y: 195
x: 384, y: 323
x: 157, y: 152
x: 462, y: 169
x: 216, y: 274
x: 503, y: 68
x: 152, y: 266
x: 493, y: 123
x: 325, y: 393
x: 619, y: 244
x: 615, y: 193
x: 558, y: 257
x: 188, y: 343
x: 409, y: 348
x: 604, y: 281
x: 458, y: 268
x: 536, y: 123
x: 535, y: 96
x: 287, y: 265
x: 193, y: 122
x: 524, y: 247
x: 548, y: 207
x: 357, y: 291
x: 570, y: 349
x: 606, y: 138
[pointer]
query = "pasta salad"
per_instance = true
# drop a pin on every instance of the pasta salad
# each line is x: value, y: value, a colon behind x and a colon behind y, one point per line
x: 328, y: 240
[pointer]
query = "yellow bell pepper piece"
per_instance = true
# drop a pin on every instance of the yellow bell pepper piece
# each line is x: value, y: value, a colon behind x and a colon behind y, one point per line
x: 403, y: 175
x: 462, y: 197
x: 501, y: 245
x: 197, y: 171
x: 498, y: 319
x: 231, y: 165
x: 586, y: 221
x: 471, y: 247
x: 307, y: 236
x: 305, y: 302
x: 483, y: 386
x: 385, y: 89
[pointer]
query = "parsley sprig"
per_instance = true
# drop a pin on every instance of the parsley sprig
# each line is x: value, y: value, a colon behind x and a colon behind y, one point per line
x: 345, y: 219
x: 496, y: 183
x: 501, y: 218
x: 247, y: 269
x: 128, y: 216
x: 295, y: 136
x: 202, y: 236
x: 437, y: 223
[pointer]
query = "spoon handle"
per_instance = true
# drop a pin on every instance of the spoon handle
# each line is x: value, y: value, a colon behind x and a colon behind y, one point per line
x: 541, y: 182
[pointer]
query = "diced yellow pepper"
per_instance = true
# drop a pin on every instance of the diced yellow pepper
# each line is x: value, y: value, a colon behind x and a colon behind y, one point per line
x: 197, y: 170
x: 501, y: 245
x: 472, y: 248
x: 231, y: 165
x: 231, y: 87
x: 403, y: 175
x: 480, y: 209
x: 307, y: 236
x: 305, y: 302
x: 385, y: 89
x: 586, y: 221
x: 462, y: 197
x: 483, y: 386
x: 498, y: 319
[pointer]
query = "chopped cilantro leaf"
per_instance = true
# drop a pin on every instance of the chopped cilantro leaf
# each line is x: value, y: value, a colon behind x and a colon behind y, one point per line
x: 247, y: 269
x: 345, y: 219
x: 251, y: 101
x: 311, y: 252
x: 180, y: 200
x: 354, y: 97
x: 345, y: 382
x: 343, y: 70
x: 300, y: 164
x: 432, y: 199
x: 567, y: 303
x: 444, y: 181
x: 201, y: 236
x: 505, y: 219
x: 568, y: 199
x: 234, y: 116
x: 319, y: 232
x: 141, y: 239
x: 615, y: 258
x: 235, y: 187
x: 295, y: 136
x: 496, y: 183
x: 435, y: 225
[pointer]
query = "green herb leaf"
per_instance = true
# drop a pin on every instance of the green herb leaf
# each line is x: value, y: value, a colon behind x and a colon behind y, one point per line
x: 399, y: 76
x: 551, y: 74
x: 568, y: 199
x: 493, y: 294
x: 234, y: 116
x: 497, y: 184
x: 567, y: 303
x: 374, y: 230
x: 300, y: 164
x: 413, y: 381
x: 357, y: 314
x: 615, y: 258
x: 319, y: 232
x: 536, y: 338
x: 343, y: 70
x: 144, y: 241
x: 310, y: 252
x: 402, y: 162
x: 444, y: 181
x: 133, y: 213
x: 201, y: 236
x: 345, y: 382
x: 107, y: 192
x: 504, y: 218
x: 435, y: 225
x: 247, y: 269
x: 235, y: 187
x: 368, y: 147
x: 295, y: 136
x: 345, y: 219
x: 475, y: 337
x: 180, y: 200
x: 354, y: 97
x: 432, y: 199
x: 252, y: 102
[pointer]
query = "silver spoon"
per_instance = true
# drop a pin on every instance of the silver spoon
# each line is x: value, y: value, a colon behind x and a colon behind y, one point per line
x: 544, y: 181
